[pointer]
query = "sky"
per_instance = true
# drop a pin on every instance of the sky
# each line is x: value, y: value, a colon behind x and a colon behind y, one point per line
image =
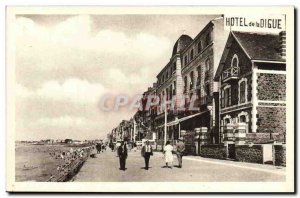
x: 66, y: 63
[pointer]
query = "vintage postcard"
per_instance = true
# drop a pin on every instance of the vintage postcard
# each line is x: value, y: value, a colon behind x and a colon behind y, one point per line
x: 150, y: 99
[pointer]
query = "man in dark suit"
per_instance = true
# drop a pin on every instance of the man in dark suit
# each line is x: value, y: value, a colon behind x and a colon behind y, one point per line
x: 146, y: 153
x: 180, y: 148
x: 122, y: 153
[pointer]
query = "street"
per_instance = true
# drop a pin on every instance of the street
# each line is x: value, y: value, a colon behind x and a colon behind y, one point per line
x: 105, y: 168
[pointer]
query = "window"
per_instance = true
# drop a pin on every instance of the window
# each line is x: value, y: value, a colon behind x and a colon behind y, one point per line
x: 163, y: 79
x: 243, y: 90
x: 192, y: 54
x: 199, y: 47
x: 235, y: 61
x: 185, y: 60
x: 198, y: 94
x: 227, y: 121
x: 208, y: 39
x: 243, y: 118
x: 207, y: 65
x: 207, y: 89
x: 192, y: 80
x: 207, y: 69
x: 185, y: 84
x: 167, y: 75
x: 167, y: 93
x: 227, y: 96
x: 174, y: 67
x: 222, y: 98
x: 174, y: 88
x: 170, y: 92
x: 199, y: 75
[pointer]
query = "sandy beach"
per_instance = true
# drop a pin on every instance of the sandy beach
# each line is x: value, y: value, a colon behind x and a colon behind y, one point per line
x: 34, y: 162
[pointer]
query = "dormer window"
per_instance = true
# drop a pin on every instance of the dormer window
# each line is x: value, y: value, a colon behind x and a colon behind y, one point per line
x: 208, y: 39
x: 185, y: 60
x: 199, y: 47
x: 174, y: 67
x: 232, y: 72
x: 235, y: 61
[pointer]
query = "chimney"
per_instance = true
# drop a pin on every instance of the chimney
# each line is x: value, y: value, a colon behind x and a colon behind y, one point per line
x: 282, y: 41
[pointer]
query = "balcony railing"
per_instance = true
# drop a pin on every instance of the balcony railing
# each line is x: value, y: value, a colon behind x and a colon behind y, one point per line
x: 230, y: 73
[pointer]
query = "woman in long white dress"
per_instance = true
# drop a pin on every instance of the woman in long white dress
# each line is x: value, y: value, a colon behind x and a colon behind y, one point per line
x: 168, y: 154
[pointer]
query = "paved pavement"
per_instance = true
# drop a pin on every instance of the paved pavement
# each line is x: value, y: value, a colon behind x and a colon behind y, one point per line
x: 105, y: 168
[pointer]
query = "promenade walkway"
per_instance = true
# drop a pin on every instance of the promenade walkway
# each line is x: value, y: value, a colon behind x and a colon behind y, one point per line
x: 105, y: 168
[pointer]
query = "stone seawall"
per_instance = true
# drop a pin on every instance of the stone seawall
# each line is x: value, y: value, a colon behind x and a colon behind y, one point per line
x: 68, y: 170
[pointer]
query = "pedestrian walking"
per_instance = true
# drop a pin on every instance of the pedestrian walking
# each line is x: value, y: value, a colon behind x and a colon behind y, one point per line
x: 122, y: 153
x: 118, y: 144
x: 168, y: 154
x: 111, y: 145
x: 103, y: 147
x: 98, y: 147
x: 180, y: 148
x: 146, y: 153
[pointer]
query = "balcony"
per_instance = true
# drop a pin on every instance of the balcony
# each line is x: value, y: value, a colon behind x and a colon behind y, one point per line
x: 231, y: 73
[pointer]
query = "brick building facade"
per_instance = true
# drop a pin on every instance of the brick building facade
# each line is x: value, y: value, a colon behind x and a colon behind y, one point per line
x: 252, y: 83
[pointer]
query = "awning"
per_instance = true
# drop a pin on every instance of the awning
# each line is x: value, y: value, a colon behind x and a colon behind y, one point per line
x: 175, y: 122
x: 191, y: 116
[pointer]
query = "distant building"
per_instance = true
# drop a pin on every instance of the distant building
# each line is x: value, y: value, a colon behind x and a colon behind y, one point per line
x: 48, y: 141
x: 59, y: 141
x: 77, y: 142
x: 68, y: 141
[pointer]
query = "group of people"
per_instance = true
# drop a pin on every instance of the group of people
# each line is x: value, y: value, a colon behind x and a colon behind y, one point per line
x: 147, y: 152
x: 69, y: 160
x: 100, y: 147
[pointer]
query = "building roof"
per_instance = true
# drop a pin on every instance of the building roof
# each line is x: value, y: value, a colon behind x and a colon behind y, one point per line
x: 260, y: 46
x: 182, y: 42
x: 257, y: 46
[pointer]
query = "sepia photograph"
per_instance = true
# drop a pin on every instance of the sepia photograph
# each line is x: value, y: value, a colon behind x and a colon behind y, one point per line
x: 186, y: 99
